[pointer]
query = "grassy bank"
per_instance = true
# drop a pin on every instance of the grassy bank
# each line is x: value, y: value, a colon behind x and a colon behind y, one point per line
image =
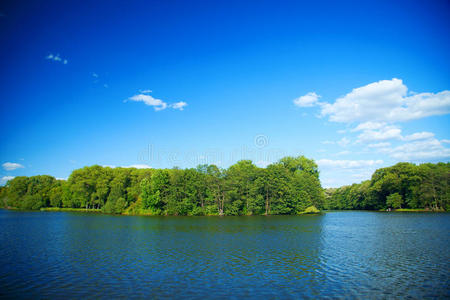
x: 142, y: 212
x: 71, y: 209
x: 413, y: 210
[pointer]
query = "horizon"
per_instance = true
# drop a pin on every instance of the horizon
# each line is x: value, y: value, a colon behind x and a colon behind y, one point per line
x: 356, y: 87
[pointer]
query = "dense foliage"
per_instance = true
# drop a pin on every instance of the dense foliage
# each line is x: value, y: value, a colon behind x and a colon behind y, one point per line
x: 286, y: 187
x: 403, y: 185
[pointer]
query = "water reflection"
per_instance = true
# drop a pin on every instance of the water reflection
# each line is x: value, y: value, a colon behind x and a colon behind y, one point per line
x: 352, y: 254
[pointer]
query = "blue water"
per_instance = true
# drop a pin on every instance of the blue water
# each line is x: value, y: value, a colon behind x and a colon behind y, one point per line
x: 338, y: 254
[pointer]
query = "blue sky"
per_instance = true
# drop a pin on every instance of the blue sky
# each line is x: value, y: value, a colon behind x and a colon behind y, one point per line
x: 356, y: 85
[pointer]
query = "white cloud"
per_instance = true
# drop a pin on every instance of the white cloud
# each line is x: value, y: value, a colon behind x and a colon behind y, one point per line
x: 60, y: 178
x: 375, y: 112
x: 343, y: 142
x: 5, y: 179
x: 262, y: 163
x: 179, y: 105
x: 386, y: 101
x: 157, y: 104
x: 9, y: 166
x: 379, y: 145
x: 418, y: 136
x: 387, y: 132
x: 369, y: 126
x: 347, y: 164
x: 381, y: 131
x: 137, y: 166
x: 362, y: 176
x: 94, y: 75
x: 420, y: 151
x: 335, y: 173
x: 57, y: 58
x: 307, y: 100
x: 345, y: 152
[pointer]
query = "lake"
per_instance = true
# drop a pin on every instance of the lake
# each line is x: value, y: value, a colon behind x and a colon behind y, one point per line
x: 338, y: 254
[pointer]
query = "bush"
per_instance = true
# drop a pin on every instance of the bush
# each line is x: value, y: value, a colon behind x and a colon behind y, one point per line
x: 197, y: 211
x: 310, y: 210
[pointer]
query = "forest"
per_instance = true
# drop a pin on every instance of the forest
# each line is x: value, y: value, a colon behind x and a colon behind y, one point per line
x: 289, y: 186
x: 402, y: 186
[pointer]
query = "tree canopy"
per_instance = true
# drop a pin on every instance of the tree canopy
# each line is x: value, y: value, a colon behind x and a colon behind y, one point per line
x: 403, y: 185
x: 286, y: 187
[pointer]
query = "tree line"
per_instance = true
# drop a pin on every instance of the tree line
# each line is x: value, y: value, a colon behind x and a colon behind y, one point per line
x: 287, y: 187
x: 404, y: 185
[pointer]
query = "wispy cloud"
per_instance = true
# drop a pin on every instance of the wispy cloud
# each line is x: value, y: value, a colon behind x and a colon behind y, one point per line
x: 5, y: 179
x: 57, y: 58
x: 97, y: 79
x: 179, y: 105
x: 157, y: 104
x: 343, y: 142
x: 385, y: 132
x: 345, y: 152
x: 347, y: 164
x: 418, y: 136
x: 262, y: 163
x: 9, y: 166
x: 419, y: 151
x: 373, y: 132
x: 379, y: 145
x: 137, y: 166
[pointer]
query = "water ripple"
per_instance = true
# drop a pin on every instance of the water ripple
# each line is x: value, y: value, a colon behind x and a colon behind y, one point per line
x: 338, y: 255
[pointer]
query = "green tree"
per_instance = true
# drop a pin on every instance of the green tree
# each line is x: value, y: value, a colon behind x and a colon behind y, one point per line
x: 394, y: 200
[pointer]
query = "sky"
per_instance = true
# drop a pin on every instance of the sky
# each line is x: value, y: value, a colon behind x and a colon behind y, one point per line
x: 354, y: 85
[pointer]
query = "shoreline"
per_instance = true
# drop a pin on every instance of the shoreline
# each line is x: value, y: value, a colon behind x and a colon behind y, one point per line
x: 322, y: 212
x: 99, y: 211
